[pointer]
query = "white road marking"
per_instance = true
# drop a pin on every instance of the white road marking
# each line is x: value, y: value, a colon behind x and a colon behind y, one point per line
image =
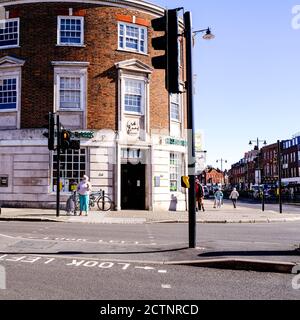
x: 75, y: 262
x: 166, y: 286
x: 48, y: 238
x: 162, y: 271
x: 145, y: 268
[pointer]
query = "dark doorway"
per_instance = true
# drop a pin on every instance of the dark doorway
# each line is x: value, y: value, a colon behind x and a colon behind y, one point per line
x: 133, y: 192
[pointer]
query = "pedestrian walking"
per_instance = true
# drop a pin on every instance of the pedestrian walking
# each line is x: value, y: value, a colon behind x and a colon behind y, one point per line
x: 84, y: 189
x: 199, y: 195
x: 234, y: 196
x: 218, y: 198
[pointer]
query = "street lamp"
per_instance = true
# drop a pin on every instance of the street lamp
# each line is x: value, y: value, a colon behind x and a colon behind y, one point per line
x: 257, y: 141
x: 221, y: 160
x: 208, y: 35
x: 189, y: 86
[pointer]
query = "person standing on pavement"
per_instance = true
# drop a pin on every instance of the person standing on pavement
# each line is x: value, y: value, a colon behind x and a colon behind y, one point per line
x: 84, y: 189
x: 199, y: 195
x: 234, y: 196
x: 218, y: 198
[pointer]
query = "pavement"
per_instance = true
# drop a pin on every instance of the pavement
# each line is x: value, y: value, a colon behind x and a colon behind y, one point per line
x: 265, y: 256
x: 226, y: 214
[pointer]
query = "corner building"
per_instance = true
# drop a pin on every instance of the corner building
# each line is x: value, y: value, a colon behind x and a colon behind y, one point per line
x: 89, y: 62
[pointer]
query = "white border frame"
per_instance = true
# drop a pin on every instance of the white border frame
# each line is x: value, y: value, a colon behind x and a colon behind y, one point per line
x: 75, y: 71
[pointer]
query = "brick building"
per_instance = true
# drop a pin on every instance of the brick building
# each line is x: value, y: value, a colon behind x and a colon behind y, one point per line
x: 290, y: 154
x: 269, y: 164
x: 89, y: 62
x: 212, y: 176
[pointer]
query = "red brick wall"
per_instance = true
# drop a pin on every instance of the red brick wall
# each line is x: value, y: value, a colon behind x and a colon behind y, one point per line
x: 38, y: 38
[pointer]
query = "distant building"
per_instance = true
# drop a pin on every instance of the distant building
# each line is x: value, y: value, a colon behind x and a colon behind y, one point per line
x: 212, y: 176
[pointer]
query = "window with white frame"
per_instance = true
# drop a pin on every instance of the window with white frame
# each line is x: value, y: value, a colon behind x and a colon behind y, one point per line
x: 8, y: 93
x: 134, y: 96
x: 70, y: 31
x: 73, y: 167
x: 70, y: 92
x: 132, y: 37
x: 9, y: 33
x: 175, y: 171
x: 175, y: 107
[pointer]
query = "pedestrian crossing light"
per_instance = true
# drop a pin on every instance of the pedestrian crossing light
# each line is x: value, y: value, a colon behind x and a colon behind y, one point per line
x: 185, y: 182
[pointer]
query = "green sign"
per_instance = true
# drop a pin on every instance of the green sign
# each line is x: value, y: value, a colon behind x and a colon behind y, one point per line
x: 84, y: 134
x: 176, y: 142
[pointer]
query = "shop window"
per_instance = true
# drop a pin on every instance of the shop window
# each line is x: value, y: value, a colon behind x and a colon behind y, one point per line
x: 72, y: 168
x: 175, y: 171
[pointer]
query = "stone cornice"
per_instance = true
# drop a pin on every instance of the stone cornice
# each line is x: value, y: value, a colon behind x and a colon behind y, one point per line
x: 131, y: 4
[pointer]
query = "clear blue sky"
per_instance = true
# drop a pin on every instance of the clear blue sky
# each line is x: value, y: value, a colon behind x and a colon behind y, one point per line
x: 248, y: 82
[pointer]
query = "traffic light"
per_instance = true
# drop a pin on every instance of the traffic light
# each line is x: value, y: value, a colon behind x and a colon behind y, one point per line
x: 65, y: 139
x: 170, y: 44
x: 74, y: 143
x: 69, y: 141
x: 185, y: 182
x: 51, y: 131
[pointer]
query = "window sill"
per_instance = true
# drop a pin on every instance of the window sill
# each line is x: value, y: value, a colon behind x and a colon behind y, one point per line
x: 133, y: 51
x: 70, y: 110
x: 175, y: 121
x: 133, y: 113
x: 10, y: 47
x: 8, y: 110
x: 72, y: 45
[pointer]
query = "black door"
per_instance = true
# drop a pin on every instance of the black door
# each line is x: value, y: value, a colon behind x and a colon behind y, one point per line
x: 133, y: 186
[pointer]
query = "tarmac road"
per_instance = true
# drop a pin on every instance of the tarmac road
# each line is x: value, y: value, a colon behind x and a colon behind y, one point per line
x: 87, y: 261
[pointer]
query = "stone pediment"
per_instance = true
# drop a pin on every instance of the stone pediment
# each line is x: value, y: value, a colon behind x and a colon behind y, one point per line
x: 10, y: 62
x: 134, y: 65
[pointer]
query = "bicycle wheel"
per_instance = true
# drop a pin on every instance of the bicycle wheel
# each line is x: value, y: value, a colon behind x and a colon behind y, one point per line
x: 104, y: 203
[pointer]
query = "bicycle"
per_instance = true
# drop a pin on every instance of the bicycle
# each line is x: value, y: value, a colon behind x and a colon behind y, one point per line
x: 104, y: 203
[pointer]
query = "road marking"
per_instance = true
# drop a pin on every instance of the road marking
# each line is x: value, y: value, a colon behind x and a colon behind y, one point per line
x: 166, y: 286
x: 80, y: 240
x: 145, y: 268
x: 162, y: 271
x: 75, y: 262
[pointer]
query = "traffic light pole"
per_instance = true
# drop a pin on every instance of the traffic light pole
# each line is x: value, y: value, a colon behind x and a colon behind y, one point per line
x: 190, y: 122
x: 58, y: 149
x: 279, y: 175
